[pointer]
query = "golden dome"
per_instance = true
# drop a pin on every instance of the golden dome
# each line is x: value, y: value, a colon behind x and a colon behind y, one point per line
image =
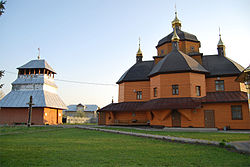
x: 139, y: 52
x: 176, y: 21
x: 220, y: 43
x: 175, y: 37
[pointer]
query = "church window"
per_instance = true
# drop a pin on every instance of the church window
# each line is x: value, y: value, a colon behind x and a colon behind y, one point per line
x: 175, y: 89
x: 162, y: 52
x: 155, y: 92
x: 192, y: 48
x: 236, y: 112
x: 198, y: 90
x: 139, y: 95
x: 219, y: 85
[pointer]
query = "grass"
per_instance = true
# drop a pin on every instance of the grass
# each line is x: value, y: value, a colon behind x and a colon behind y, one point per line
x: 212, y: 136
x: 24, y: 129
x: 78, y: 147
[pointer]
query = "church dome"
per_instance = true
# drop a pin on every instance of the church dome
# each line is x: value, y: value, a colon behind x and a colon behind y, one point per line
x: 184, y: 36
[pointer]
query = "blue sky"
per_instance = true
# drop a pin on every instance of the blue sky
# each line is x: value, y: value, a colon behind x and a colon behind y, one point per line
x: 97, y: 40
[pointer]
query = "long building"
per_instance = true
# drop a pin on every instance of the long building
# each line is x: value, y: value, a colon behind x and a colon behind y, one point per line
x: 181, y: 87
x: 36, y: 79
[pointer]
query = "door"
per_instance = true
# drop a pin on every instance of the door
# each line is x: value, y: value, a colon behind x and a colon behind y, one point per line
x: 176, y: 118
x: 209, y: 118
x: 101, y: 118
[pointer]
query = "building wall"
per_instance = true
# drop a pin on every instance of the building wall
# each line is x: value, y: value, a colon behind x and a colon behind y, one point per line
x: 229, y: 84
x: 127, y: 91
x: 73, y: 120
x: 186, y: 81
x: 223, y: 115
x: 52, y: 116
x: 195, y: 117
x: 12, y: 116
x: 184, y: 46
x: 189, y: 118
x: 126, y: 118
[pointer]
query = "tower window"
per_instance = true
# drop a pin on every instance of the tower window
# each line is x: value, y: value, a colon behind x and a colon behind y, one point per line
x: 175, y: 89
x: 162, y: 52
x: 192, y: 48
x: 139, y: 95
x: 155, y: 92
x: 198, y: 90
x: 219, y: 85
x: 236, y: 112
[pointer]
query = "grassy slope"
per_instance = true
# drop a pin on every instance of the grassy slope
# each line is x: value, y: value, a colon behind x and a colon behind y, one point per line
x: 212, y: 136
x: 77, y: 147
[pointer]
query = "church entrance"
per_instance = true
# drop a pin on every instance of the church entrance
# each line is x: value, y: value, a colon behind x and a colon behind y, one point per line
x: 176, y: 118
x: 209, y: 118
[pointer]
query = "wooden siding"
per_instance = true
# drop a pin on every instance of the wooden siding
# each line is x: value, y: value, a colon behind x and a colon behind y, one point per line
x: 184, y: 46
x: 229, y: 84
x: 186, y: 81
x: 20, y: 115
x: 127, y: 91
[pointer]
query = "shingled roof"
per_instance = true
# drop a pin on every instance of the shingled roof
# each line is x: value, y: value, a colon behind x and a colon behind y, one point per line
x: 39, y: 63
x: 171, y: 103
x: 124, y: 106
x: 138, y: 72
x: 220, y: 66
x: 177, y: 61
x: 182, y: 35
x: 224, y: 97
x: 177, y: 103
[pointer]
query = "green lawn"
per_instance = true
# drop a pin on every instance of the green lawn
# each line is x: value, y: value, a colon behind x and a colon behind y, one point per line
x: 212, y: 136
x: 77, y: 147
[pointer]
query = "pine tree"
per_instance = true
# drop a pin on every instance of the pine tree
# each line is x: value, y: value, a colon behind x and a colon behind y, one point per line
x: 2, y: 8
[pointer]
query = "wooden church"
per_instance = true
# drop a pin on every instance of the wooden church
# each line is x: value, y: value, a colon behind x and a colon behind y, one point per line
x: 36, y: 79
x: 181, y: 87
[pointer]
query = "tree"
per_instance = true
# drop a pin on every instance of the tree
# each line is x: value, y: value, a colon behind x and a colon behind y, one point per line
x: 1, y: 75
x: 2, y: 8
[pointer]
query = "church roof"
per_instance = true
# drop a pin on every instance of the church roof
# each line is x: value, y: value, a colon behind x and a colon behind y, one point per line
x: 39, y: 63
x: 225, y: 97
x: 40, y: 99
x: 220, y: 66
x: 177, y: 103
x: 124, y: 106
x: 138, y: 72
x: 182, y: 35
x: 91, y: 107
x: 177, y: 61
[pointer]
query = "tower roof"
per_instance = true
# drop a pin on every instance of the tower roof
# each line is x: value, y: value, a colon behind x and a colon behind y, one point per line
x: 139, y: 52
x: 138, y: 72
x: 37, y: 64
x: 176, y: 62
x: 220, y: 43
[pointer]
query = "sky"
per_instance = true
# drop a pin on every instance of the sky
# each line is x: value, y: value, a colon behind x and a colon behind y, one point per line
x: 96, y: 41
